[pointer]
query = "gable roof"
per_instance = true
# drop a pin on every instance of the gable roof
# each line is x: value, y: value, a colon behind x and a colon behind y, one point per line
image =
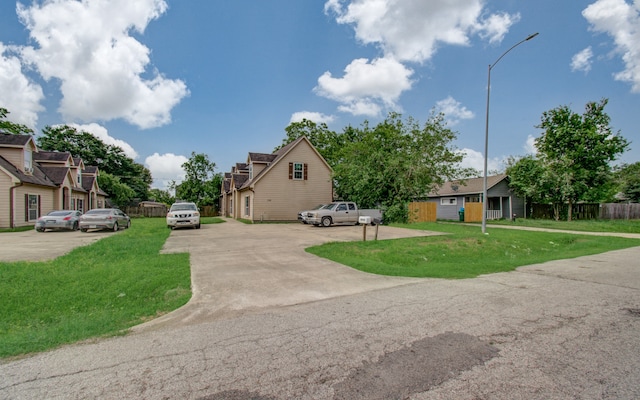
x: 261, y: 157
x: 36, y: 178
x: 281, y: 154
x: 8, y: 140
x: 52, y: 156
x: 467, y: 186
x: 55, y: 174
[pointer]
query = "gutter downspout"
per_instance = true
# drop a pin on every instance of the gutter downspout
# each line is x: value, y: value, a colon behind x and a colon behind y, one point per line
x: 11, y: 204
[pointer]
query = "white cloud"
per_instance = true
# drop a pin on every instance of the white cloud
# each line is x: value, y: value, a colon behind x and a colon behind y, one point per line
x: 411, y: 30
x: 102, y: 133
x: 101, y: 68
x: 365, y: 84
x: 165, y: 168
x: 582, y: 61
x: 18, y: 94
x: 405, y: 31
x: 475, y: 159
x: 620, y: 20
x: 311, y: 116
x: 453, y: 110
x: 530, y: 145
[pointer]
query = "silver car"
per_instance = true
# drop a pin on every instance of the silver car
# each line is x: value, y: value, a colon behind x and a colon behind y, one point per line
x: 59, y: 219
x: 104, y: 218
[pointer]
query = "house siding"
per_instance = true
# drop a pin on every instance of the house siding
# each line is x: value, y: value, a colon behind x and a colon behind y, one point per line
x: 448, y: 211
x: 46, y: 203
x: 5, y: 188
x: 278, y: 198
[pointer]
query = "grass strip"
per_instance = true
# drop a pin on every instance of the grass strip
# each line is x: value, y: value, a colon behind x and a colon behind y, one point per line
x: 464, y: 252
x: 599, y: 225
x: 97, y: 290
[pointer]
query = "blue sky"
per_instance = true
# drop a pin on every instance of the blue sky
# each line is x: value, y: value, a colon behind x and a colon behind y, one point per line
x: 164, y: 78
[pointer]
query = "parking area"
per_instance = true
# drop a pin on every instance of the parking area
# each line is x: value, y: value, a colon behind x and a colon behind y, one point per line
x: 40, y: 246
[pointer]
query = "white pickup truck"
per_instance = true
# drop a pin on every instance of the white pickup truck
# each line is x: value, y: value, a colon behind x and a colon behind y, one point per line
x: 342, y: 213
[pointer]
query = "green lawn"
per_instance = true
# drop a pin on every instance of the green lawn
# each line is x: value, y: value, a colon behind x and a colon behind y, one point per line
x: 120, y: 281
x: 97, y: 290
x: 464, y: 252
x: 624, y: 226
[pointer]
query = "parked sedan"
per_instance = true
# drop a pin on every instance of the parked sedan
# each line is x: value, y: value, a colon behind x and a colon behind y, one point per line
x: 59, y: 219
x: 104, y: 218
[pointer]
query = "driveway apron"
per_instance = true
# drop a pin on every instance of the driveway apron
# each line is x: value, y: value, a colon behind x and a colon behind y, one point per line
x: 235, y: 266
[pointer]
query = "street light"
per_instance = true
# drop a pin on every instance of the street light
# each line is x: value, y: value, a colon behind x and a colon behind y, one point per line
x: 486, y: 132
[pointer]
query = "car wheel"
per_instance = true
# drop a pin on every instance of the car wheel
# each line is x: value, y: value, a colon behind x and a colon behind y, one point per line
x: 128, y: 225
x: 115, y: 227
x: 198, y: 226
x: 75, y: 226
x: 40, y: 230
x: 326, y: 221
x: 83, y: 229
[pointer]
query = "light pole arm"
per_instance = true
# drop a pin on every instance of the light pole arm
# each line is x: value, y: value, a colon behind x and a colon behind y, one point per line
x: 486, y: 131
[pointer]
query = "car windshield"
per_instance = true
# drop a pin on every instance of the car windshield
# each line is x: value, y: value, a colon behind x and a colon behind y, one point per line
x: 59, y: 213
x: 185, y: 206
x: 96, y: 211
x: 331, y: 206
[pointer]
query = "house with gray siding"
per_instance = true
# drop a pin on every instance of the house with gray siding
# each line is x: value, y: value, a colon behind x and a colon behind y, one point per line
x: 452, y: 196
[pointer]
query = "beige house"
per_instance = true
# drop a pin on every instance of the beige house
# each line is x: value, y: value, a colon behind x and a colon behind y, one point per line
x: 274, y: 187
x: 34, y: 182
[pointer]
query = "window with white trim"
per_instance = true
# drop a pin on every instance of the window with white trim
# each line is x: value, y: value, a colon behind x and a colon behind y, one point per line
x: 298, y: 171
x: 28, y: 161
x: 448, y: 201
x: 247, y: 204
x: 32, y: 207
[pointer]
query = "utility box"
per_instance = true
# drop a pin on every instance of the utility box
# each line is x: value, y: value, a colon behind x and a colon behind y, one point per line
x: 364, y: 220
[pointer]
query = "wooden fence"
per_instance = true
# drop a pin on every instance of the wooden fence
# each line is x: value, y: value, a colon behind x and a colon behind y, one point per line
x: 473, y: 212
x: 620, y: 211
x: 146, y: 211
x: 422, y: 212
x: 161, y: 211
x: 586, y: 211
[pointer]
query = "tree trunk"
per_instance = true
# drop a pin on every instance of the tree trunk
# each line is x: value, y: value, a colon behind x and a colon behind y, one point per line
x: 569, y: 211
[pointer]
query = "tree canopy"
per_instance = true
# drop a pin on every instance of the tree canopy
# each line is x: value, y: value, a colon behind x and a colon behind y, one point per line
x: 7, y: 126
x: 573, y: 160
x: 109, y: 158
x: 387, y: 165
x: 201, y: 184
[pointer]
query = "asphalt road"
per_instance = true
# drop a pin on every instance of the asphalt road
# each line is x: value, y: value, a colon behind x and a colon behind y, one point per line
x: 318, y: 330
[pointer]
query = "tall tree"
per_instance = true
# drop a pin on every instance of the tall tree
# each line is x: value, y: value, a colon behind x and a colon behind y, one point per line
x: 394, y: 162
x: 326, y: 141
x: 200, y: 184
x: 93, y: 151
x: 7, y: 126
x: 627, y: 179
x: 576, y: 150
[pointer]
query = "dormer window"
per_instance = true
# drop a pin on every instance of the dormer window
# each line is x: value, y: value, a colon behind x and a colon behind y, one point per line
x: 79, y: 180
x: 250, y: 171
x: 28, y: 161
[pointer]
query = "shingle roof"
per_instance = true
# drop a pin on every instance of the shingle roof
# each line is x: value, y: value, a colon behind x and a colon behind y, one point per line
x: 262, y: 157
x: 467, y: 186
x: 37, y: 178
x: 240, y: 179
x: 61, y: 156
x: 56, y: 174
x: 14, y: 140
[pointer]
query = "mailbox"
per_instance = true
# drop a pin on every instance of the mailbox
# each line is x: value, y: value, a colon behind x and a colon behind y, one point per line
x: 364, y: 220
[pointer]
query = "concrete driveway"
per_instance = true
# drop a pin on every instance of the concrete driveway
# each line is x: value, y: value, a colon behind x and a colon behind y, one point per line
x: 40, y: 246
x: 235, y: 266
x: 566, y: 329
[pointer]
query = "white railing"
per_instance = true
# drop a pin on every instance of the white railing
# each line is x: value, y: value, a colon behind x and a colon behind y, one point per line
x: 494, y: 214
